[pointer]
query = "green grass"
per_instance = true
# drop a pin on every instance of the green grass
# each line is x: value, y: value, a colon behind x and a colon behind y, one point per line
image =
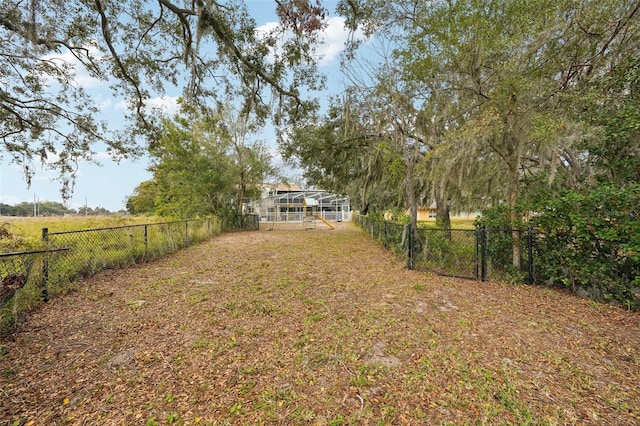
x: 30, y: 228
x: 102, y: 243
x: 456, y: 223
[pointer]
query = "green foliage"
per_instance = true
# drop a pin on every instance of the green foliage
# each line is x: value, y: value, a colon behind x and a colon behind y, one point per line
x: 391, y: 235
x: 499, y: 95
x: 191, y: 170
x: 498, y: 230
x: 142, y: 201
x: 497, y: 217
x: 49, y: 208
x: 587, y: 241
x: 590, y: 241
x: 201, y: 167
x: 337, y: 155
x: 47, y: 115
x: 590, y: 232
x: 449, y: 252
x: 616, y: 156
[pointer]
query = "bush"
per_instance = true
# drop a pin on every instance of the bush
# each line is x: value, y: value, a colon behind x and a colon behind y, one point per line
x: 499, y: 242
x: 590, y: 241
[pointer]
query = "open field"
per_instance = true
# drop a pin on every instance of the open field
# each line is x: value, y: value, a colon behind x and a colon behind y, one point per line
x: 456, y: 223
x: 29, y: 229
x: 316, y: 327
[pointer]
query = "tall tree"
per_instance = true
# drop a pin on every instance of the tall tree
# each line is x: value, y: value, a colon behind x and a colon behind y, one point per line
x: 337, y: 154
x: 370, y: 143
x: 513, y: 71
x: 191, y: 171
x: 251, y: 159
x: 202, y: 165
x: 140, y: 48
x: 143, y: 199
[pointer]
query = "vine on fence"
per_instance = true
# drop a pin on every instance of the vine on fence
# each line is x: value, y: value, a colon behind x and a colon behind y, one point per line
x: 595, y: 258
x: 587, y: 243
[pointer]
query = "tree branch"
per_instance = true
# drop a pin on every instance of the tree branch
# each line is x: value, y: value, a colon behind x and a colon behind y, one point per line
x: 106, y: 33
x: 231, y: 47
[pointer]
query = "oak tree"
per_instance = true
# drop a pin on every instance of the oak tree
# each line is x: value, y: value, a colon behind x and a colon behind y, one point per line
x: 205, y: 48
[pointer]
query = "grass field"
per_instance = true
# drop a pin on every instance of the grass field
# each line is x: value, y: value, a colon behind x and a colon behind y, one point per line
x: 28, y: 275
x: 456, y: 223
x: 29, y: 229
x: 320, y: 327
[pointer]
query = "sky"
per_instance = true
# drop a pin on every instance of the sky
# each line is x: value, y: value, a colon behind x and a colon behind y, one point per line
x: 108, y: 184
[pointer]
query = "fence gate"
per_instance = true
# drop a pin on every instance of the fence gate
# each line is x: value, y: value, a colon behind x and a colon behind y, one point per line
x: 477, y: 254
x: 450, y: 252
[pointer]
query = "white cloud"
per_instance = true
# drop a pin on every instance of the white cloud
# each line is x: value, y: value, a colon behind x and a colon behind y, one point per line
x: 102, y: 155
x: 165, y: 105
x: 79, y: 72
x: 266, y: 28
x: 10, y: 200
x: 122, y: 105
x: 332, y: 39
x: 104, y: 104
x: 52, y: 157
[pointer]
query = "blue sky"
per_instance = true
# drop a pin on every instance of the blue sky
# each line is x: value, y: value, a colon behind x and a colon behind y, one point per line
x: 107, y: 185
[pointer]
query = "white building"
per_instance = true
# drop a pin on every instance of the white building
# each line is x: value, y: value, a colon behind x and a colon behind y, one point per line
x: 292, y: 204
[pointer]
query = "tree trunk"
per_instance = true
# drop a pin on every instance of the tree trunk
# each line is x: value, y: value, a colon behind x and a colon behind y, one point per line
x: 514, y: 143
x: 414, y: 235
x: 514, y: 219
x: 411, y: 201
x: 443, y: 218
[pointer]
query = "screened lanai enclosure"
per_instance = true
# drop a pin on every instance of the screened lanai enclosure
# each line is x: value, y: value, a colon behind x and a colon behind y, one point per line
x: 296, y: 206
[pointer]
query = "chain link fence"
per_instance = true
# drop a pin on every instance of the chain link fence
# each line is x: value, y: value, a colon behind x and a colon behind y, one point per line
x: 390, y: 234
x: 15, y: 269
x: 594, y: 268
x: 30, y: 277
x: 23, y: 277
x: 247, y: 222
x: 478, y: 254
x: 446, y: 252
x: 451, y: 252
x: 604, y: 270
x: 497, y: 253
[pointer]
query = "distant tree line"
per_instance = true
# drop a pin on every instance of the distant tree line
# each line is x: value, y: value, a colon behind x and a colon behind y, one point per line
x: 48, y: 208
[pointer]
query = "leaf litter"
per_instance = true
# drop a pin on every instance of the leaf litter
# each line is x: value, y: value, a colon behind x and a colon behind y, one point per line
x: 296, y: 326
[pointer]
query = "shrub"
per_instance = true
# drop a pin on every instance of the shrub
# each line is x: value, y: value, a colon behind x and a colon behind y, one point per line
x: 590, y: 241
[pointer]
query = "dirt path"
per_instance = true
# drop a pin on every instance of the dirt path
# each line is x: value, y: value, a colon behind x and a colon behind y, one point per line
x: 316, y: 327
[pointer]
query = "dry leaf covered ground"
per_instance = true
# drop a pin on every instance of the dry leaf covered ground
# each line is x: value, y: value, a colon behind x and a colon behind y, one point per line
x: 316, y: 327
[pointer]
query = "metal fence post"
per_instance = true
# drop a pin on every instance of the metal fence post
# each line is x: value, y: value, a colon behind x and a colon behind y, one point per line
x: 45, y: 266
x: 483, y: 253
x: 530, y: 254
x: 385, y: 241
x: 146, y: 241
x: 409, y: 231
x: 477, y: 253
